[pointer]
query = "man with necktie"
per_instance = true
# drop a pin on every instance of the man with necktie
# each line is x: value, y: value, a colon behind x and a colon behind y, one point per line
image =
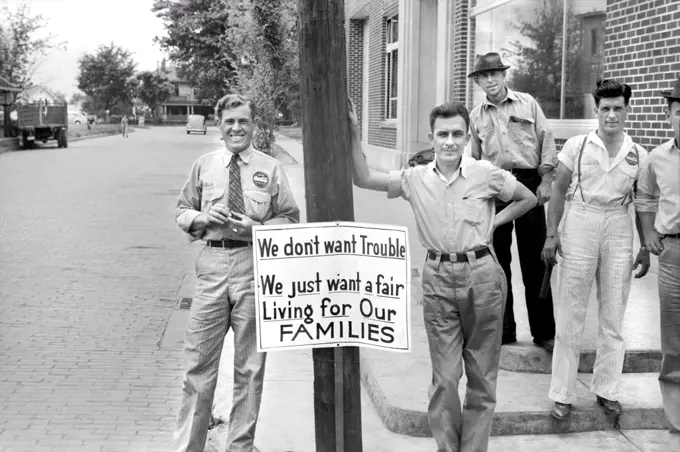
x: 227, y: 192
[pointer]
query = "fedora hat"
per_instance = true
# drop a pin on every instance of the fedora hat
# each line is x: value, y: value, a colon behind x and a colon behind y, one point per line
x: 675, y: 94
x: 489, y: 62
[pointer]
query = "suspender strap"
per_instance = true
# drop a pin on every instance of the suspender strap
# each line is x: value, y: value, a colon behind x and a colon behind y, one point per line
x: 578, y: 175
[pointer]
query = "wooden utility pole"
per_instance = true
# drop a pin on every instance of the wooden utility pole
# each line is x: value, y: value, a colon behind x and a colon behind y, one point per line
x: 328, y: 185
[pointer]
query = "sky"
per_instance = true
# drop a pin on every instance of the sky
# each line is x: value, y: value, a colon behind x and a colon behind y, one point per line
x: 86, y: 24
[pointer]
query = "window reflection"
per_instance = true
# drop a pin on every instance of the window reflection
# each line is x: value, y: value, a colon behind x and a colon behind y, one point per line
x: 529, y: 35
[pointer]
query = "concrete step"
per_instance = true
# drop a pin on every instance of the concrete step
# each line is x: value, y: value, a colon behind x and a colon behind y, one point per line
x: 526, y: 357
x: 399, y: 390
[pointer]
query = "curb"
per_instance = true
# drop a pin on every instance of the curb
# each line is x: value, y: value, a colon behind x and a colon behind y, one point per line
x: 531, y: 359
x: 415, y: 423
x: 5, y: 147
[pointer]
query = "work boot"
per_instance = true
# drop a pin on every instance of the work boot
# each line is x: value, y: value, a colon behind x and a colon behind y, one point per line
x: 610, y: 406
x: 561, y: 411
x: 547, y: 344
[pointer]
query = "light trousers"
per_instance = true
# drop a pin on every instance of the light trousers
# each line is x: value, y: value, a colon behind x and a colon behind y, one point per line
x: 463, y: 312
x: 224, y: 298
x: 669, y: 298
x: 597, y: 245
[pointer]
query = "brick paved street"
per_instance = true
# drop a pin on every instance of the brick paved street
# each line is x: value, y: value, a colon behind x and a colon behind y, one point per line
x: 90, y: 264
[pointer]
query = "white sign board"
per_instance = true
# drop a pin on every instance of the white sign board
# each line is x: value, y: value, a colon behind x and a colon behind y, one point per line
x: 332, y: 284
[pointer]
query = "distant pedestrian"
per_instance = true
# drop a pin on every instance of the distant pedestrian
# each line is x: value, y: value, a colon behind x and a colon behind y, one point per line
x: 597, y: 174
x: 658, y: 204
x: 227, y: 193
x: 464, y: 287
x: 124, y: 126
x: 510, y: 130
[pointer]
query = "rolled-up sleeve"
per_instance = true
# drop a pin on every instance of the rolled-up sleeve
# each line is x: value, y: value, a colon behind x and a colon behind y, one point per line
x: 398, y: 184
x: 647, y: 195
x: 284, y: 208
x: 568, y: 153
x: 546, y: 140
x: 189, y: 203
x: 502, y: 183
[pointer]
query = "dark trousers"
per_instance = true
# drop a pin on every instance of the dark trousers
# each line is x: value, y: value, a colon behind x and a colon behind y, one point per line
x: 531, y: 231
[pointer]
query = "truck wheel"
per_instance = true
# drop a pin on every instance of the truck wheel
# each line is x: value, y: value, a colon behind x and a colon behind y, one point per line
x: 64, y: 138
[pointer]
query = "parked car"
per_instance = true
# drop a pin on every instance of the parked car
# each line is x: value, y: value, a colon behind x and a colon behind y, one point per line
x: 196, y: 123
x: 77, y: 118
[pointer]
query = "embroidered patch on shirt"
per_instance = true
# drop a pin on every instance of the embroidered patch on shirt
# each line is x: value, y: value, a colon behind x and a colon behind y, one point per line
x: 260, y: 179
x: 632, y: 159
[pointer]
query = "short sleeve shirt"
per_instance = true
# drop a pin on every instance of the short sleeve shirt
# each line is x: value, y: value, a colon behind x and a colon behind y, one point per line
x: 457, y: 215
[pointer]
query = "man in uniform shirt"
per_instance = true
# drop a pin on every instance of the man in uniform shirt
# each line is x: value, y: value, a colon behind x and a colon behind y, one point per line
x: 464, y: 288
x: 510, y: 130
x: 228, y: 192
x: 658, y: 205
x: 596, y: 173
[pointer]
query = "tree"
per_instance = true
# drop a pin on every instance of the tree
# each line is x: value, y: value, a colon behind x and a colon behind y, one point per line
x: 107, y: 78
x: 197, y: 43
x: 21, y: 49
x: 154, y: 89
x: 538, y: 62
x: 265, y: 34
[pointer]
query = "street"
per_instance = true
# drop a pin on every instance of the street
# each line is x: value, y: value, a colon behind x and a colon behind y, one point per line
x: 90, y: 263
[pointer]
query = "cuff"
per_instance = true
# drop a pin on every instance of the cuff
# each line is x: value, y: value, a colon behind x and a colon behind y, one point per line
x: 508, y: 189
x: 394, y: 187
x: 186, y: 218
x: 646, y: 204
x: 566, y: 161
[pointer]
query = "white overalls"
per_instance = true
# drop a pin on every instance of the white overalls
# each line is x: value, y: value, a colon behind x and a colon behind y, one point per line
x: 596, y: 235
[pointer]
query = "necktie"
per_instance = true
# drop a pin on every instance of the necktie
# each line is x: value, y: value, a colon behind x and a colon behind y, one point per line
x: 235, y: 189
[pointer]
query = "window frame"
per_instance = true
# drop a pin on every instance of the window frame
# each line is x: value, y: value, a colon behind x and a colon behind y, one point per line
x: 391, y: 49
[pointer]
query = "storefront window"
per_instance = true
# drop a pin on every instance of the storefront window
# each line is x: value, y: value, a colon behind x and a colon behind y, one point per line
x: 543, y: 50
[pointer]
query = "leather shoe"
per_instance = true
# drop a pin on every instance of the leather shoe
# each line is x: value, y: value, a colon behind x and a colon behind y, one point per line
x: 508, y: 340
x: 561, y: 411
x: 610, y: 406
x: 548, y: 344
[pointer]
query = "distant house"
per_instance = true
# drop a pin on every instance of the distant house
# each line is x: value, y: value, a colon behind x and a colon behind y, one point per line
x: 37, y: 92
x: 183, y: 102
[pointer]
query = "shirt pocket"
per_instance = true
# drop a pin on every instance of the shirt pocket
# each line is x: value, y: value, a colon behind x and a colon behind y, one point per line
x: 474, y: 209
x: 257, y: 203
x: 522, y: 130
x: 211, y: 195
x: 626, y: 176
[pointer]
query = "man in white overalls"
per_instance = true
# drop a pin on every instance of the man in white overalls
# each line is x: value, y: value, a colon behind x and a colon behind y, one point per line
x: 597, y: 173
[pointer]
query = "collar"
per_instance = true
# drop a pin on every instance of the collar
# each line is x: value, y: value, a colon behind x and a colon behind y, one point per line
x: 462, y: 170
x: 675, y: 145
x: 511, y: 95
x: 245, y: 156
x: 626, y: 146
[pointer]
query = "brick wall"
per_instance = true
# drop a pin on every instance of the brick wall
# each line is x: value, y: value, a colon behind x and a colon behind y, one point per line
x: 642, y: 48
x: 459, y: 49
x: 355, y: 65
x: 374, y: 12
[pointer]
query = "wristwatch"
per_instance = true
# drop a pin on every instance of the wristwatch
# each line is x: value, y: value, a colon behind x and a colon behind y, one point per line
x: 643, y: 248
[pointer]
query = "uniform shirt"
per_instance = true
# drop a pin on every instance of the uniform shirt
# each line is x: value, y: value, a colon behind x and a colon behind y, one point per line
x: 266, y: 193
x: 513, y: 134
x: 659, y: 187
x: 455, y: 215
x: 604, y: 183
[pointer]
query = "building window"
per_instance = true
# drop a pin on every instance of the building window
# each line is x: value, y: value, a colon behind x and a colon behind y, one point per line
x: 391, y: 66
x: 555, y: 50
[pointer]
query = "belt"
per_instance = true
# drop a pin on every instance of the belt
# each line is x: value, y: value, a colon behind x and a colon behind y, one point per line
x: 525, y: 171
x: 457, y: 257
x: 226, y: 243
x: 673, y: 236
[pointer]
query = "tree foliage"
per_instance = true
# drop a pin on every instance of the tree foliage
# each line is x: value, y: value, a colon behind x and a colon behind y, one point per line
x: 21, y: 49
x: 197, y: 44
x: 107, y: 78
x: 154, y: 89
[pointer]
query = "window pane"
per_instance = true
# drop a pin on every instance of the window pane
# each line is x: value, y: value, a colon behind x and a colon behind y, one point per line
x: 393, y: 108
x: 395, y: 74
x: 529, y: 36
x: 395, y: 30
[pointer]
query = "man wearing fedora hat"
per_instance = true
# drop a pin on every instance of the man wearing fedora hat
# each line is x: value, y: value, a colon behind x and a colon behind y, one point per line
x: 658, y: 205
x: 510, y: 130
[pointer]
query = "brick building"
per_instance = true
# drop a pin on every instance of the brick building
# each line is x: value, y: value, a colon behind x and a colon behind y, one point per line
x: 405, y: 56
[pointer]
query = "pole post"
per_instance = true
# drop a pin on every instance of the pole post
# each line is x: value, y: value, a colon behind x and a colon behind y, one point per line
x: 328, y: 187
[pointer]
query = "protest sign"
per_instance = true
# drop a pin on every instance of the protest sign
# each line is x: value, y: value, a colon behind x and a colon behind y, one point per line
x: 332, y: 284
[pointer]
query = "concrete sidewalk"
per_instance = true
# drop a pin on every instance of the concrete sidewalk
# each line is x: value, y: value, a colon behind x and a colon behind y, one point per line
x: 397, y: 383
